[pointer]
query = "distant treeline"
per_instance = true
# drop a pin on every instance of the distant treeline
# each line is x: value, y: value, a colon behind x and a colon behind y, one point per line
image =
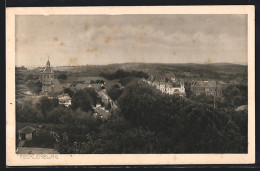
x: 119, y: 74
x: 97, y: 81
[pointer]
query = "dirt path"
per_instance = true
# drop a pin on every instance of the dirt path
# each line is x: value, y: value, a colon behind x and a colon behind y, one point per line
x: 21, y: 143
x: 29, y: 150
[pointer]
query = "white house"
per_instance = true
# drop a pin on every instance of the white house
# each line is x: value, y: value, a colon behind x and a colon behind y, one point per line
x: 64, y: 99
x: 167, y: 85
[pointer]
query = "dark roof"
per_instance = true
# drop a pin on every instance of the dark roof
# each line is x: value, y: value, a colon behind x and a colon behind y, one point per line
x: 27, y: 129
x: 101, y: 112
x: 205, y: 83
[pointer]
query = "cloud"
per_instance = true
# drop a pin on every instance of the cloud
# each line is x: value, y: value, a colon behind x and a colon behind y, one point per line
x: 131, y: 38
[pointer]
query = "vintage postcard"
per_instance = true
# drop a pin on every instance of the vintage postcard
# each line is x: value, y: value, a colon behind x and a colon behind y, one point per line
x: 161, y: 85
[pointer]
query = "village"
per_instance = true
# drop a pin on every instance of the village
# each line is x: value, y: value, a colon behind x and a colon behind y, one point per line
x: 52, y: 88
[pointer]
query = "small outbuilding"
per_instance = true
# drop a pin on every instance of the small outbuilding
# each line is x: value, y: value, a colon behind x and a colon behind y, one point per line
x: 27, y: 133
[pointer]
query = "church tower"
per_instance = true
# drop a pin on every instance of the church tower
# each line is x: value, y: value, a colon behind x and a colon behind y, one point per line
x: 47, y: 78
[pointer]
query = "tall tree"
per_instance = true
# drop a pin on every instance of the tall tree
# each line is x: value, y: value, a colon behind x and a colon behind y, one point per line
x: 114, y: 92
x: 45, y: 104
x: 84, y: 99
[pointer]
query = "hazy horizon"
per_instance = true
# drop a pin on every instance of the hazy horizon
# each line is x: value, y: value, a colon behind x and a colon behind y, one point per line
x: 71, y: 40
x: 220, y: 63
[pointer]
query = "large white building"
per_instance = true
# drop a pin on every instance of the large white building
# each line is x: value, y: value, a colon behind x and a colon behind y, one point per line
x: 167, y: 85
x: 64, y: 99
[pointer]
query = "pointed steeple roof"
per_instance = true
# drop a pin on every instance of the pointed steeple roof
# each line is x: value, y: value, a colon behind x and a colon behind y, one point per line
x: 48, y: 62
x: 48, y: 67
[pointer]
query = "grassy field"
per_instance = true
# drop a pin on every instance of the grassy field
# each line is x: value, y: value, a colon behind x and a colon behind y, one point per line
x: 27, y: 150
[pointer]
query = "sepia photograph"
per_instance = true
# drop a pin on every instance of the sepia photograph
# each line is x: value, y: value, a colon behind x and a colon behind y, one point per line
x: 132, y: 83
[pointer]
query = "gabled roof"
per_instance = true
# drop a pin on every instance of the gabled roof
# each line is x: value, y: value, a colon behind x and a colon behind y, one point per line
x: 205, y: 83
x: 64, y: 96
x: 27, y: 129
x: 103, y: 95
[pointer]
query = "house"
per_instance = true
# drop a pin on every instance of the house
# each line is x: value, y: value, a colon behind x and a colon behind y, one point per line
x: 64, y: 99
x: 167, y: 84
x: 208, y: 87
x: 27, y: 133
x: 101, y: 112
x: 104, y: 97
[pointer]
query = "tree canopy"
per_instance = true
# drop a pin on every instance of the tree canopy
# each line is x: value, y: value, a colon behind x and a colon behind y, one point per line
x: 84, y: 99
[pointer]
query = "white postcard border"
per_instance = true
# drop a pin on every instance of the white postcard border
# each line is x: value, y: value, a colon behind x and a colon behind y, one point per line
x: 13, y: 159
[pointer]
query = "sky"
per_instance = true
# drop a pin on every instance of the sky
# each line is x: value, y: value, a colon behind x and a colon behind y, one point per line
x: 70, y: 40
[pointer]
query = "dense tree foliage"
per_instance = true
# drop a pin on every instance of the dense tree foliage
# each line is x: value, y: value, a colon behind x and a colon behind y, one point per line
x: 35, y: 86
x: 147, y: 122
x: 236, y: 95
x: 62, y: 76
x: 27, y: 112
x: 151, y: 122
x: 192, y: 126
x: 114, y: 92
x: 126, y: 80
x: 84, y: 99
x: 19, y: 76
x: 68, y: 91
x: 31, y: 77
x: 46, y: 105
x: 188, y: 91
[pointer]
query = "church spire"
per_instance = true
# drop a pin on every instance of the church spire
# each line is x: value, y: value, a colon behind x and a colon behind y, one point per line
x: 48, y: 63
